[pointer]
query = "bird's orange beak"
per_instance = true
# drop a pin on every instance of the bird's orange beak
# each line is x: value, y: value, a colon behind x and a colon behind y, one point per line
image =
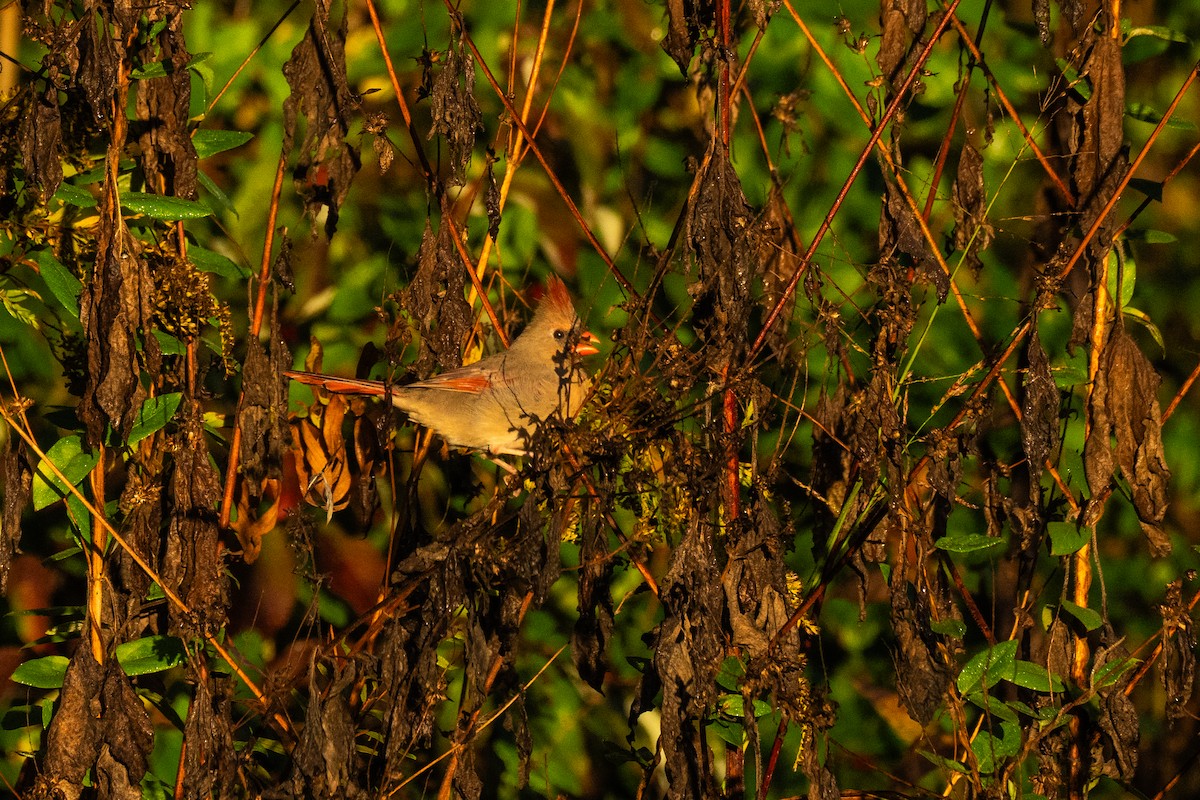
x: 587, y: 344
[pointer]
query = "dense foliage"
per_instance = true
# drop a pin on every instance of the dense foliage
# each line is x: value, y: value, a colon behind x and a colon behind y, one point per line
x: 887, y: 479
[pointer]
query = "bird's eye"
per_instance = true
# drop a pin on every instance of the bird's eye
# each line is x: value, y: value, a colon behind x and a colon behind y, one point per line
x: 560, y: 334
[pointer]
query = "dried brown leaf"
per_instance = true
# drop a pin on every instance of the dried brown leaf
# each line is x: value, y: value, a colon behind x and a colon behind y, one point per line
x: 210, y: 759
x: 167, y: 154
x: 455, y: 112
x: 1124, y: 405
x: 193, y: 564
x: 434, y: 298
x: 1103, y: 128
x: 1039, y: 409
x: 316, y: 75
x: 115, y: 308
x: 1177, y: 666
x: 40, y: 137
x: 972, y: 231
x: 902, y: 20
x: 686, y: 19
x: 899, y: 231
x: 594, y: 628
x: 74, y: 737
x: 325, y: 763
x: 687, y: 654
x: 17, y: 477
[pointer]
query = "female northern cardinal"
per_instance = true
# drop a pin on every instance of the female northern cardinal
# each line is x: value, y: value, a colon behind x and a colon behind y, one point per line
x: 495, y: 404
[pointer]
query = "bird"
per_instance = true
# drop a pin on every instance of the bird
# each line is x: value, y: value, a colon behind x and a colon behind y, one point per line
x: 495, y: 404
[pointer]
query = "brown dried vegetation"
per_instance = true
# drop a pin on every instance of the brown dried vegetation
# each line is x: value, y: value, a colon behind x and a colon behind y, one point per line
x: 685, y: 478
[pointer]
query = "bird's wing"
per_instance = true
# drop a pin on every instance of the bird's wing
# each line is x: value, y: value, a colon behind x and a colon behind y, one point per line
x: 469, y: 381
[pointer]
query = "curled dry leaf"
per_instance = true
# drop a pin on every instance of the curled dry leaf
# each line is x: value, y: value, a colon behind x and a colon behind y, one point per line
x: 316, y: 75
x: 455, y: 112
x: 972, y: 231
x: 1124, y: 406
x: 321, y: 458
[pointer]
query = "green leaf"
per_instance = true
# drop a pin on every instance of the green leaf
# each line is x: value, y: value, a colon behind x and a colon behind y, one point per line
x: 1155, y: 31
x: 222, y: 199
x: 945, y: 763
x: 46, y: 672
x: 990, y: 750
x: 158, y: 69
x: 157, y: 206
x: 72, y: 195
x: 1028, y: 675
x: 1151, y: 236
x: 949, y: 627
x: 1145, y: 113
x: 987, y: 668
x: 994, y: 706
x: 69, y: 456
x: 209, y: 261
x: 1067, y: 538
x: 150, y: 654
x: 155, y: 413
x: 210, y: 142
x: 1141, y: 316
x: 967, y: 542
x: 65, y: 287
x: 1090, y: 618
x: 169, y: 345
x: 1123, y: 270
x: 1075, y: 81
x: 1112, y: 671
x: 16, y: 303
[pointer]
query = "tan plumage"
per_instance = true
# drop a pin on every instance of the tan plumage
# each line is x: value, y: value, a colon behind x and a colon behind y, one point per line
x: 495, y: 403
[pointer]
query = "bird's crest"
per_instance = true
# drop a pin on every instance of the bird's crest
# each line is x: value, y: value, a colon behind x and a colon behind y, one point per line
x: 557, y: 296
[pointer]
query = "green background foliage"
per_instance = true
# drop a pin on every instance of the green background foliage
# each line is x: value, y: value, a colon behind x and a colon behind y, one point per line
x: 759, y: 556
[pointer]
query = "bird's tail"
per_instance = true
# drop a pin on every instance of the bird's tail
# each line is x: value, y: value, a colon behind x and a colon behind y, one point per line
x: 332, y: 383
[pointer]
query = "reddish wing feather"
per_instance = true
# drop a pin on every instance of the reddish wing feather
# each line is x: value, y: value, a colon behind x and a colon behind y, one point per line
x: 471, y: 384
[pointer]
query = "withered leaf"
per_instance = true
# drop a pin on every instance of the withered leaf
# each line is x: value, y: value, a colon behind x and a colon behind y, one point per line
x: 688, y: 652
x: 74, y: 738
x: 901, y: 20
x: 316, y: 75
x: 972, y: 231
x: 115, y: 308
x: 491, y: 196
x: 721, y: 233
x: 18, y: 483
x: 210, y: 758
x: 128, y: 737
x: 1178, y: 662
x: 325, y: 763
x: 193, y: 565
x: 1041, y: 17
x: 685, y: 21
x: 900, y: 231
x: 1124, y: 405
x: 434, y: 298
x: 1118, y: 719
x: 322, y: 463
x: 99, y: 62
x: 40, y: 136
x: 1039, y: 408
x: 922, y: 674
x: 455, y: 112
x: 167, y: 154
x: 593, y: 630
x: 1103, y: 115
